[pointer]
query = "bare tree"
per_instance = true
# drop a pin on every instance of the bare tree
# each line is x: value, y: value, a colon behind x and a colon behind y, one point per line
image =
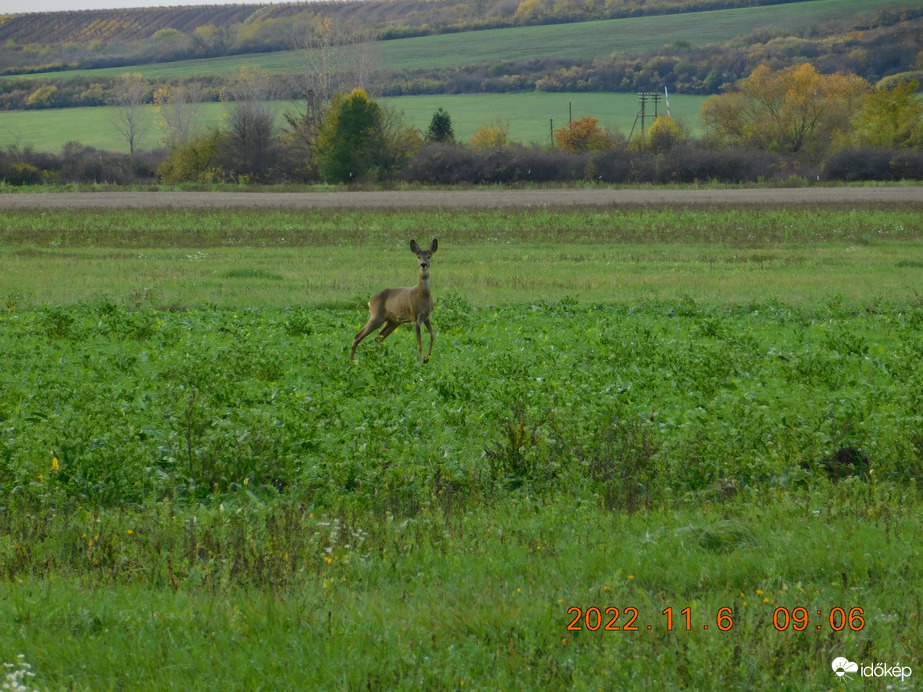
x: 129, y: 97
x: 251, y: 116
x: 178, y: 107
x: 333, y: 60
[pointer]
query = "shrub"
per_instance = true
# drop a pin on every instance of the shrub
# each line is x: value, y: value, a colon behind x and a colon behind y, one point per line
x: 860, y: 164
x: 195, y: 161
x: 690, y: 165
x: 621, y: 461
x: 581, y: 135
x: 448, y: 165
x: 19, y: 173
x: 489, y: 137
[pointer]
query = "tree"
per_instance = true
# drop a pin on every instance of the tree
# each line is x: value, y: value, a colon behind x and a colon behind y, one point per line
x: 794, y: 110
x: 196, y: 159
x: 582, y: 135
x: 334, y: 60
x: 663, y: 135
x: 211, y: 39
x: 440, y: 129
x: 489, y: 137
x: 892, y: 118
x: 251, y: 117
x: 129, y: 96
x: 43, y: 97
x: 178, y: 108
x: 350, y: 137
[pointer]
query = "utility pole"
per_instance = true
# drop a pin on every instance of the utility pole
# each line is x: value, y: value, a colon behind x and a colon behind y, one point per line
x: 644, y: 97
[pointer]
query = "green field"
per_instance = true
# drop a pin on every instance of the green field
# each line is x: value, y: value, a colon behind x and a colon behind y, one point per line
x: 526, y: 116
x: 637, y: 408
x: 597, y: 39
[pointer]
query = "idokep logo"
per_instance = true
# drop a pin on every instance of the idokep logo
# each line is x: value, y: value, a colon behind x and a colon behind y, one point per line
x: 843, y: 666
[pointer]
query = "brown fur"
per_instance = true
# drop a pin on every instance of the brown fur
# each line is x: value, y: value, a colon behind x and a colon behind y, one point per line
x: 394, y: 306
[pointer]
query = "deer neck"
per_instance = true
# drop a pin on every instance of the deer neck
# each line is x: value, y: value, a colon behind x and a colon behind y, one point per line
x: 423, y: 285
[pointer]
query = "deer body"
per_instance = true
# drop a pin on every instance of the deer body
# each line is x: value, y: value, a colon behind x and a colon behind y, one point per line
x: 394, y: 306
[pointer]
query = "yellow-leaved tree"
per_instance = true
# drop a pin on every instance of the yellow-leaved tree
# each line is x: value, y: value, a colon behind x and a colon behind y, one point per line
x: 662, y: 136
x: 792, y: 110
x: 489, y: 137
x: 892, y: 117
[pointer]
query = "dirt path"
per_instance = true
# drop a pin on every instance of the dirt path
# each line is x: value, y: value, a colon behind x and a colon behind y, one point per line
x: 461, y: 198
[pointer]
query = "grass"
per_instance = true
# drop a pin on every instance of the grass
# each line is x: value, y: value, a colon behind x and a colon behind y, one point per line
x: 525, y: 114
x: 446, y: 601
x: 197, y: 484
x: 233, y: 258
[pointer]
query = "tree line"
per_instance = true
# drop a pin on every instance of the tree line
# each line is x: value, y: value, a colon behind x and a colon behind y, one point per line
x: 681, y: 67
x: 773, y: 125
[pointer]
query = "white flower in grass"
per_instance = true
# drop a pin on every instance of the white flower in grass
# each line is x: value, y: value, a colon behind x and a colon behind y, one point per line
x: 16, y: 675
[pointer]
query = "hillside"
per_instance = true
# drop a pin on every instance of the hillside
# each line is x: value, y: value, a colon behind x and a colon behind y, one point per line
x: 389, y: 18
x: 62, y: 41
x: 692, y: 53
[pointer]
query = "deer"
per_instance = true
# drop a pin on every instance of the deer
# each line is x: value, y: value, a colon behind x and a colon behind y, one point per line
x: 394, y: 306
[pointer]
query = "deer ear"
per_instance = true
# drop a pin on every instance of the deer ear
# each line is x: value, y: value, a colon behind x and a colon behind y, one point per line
x: 434, y: 246
x: 414, y: 247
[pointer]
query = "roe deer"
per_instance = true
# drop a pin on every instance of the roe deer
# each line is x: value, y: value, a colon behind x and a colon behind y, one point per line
x: 394, y: 306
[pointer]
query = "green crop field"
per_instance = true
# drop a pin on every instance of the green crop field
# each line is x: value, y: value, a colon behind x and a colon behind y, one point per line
x: 526, y: 115
x: 596, y: 39
x: 655, y: 448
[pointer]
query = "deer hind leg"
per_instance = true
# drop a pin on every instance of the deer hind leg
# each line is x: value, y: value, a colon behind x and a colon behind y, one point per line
x: 386, y: 331
x: 373, y: 324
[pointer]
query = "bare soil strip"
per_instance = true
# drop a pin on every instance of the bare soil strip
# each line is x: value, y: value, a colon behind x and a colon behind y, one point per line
x: 463, y: 198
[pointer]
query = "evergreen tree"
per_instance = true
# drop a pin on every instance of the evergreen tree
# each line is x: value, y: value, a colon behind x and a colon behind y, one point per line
x: 440, y: 128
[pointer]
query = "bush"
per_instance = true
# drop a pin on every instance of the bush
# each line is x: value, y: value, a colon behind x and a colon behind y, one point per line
x: 199, y: 160
x: 620, y: 166
x: 875, y: 164
x: 690, y: 165
x: 860, y: 164
x: 75, y: 164
x: 908, y: 164
x: 448, y: 165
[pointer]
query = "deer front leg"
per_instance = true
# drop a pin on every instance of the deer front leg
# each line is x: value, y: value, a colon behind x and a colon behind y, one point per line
x: 432, y: 338
x: 419, y: 340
